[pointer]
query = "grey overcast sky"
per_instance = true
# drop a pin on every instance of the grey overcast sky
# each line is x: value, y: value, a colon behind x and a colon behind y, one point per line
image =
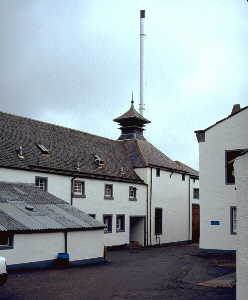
x: 75, y: 63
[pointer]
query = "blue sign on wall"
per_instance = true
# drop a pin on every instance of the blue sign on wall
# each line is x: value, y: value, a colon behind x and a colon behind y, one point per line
x: 215, y: 222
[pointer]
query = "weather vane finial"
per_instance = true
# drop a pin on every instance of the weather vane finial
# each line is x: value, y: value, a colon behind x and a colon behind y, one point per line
x: 132, y: 102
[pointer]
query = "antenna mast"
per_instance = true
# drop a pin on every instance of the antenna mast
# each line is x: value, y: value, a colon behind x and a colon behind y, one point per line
x: 142, y: 37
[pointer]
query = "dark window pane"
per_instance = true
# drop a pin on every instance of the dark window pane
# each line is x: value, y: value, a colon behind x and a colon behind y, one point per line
x: 158, y: 220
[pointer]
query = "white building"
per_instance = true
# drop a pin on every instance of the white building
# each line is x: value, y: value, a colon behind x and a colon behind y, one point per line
x: 241, y: 178
x: 219, y: 145
x: 36, y: 226
x: 141, y: 194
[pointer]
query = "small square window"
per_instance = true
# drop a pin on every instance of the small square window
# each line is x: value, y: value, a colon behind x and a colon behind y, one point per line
x: 233, y: 219
x: 196, y: 193
x: 183, y: 177
x: 108, y: 191
x: 92, y: 216
x: 132, y: 193
x: 79, y: 189
x: 120, y: 223
x: 157, y: 172
x: 41, y: 183
x: 107, y: 220
x: 6, y: 240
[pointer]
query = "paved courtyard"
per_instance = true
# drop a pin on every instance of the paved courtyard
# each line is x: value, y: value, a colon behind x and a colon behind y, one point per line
x: 154, y: 273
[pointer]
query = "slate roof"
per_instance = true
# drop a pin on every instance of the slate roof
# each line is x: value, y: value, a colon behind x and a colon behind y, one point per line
x: 67, y: 149
x: 191, y: 171
x: 144, y: 154
x: 24, y: 208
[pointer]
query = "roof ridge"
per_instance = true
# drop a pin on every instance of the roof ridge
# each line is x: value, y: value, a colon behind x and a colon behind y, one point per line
x: 184, y: 165
x: 59, y: 126
x: 221, y: 120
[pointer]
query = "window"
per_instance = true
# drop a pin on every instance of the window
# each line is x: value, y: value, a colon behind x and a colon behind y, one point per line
x: 158, y: 172
x: 120, y: 223
x: 42, y: 148
x: 132, y: 193
x: 78, y: 189
x: 196, y: 193
x: 158, y: 221
x: 92, y: 215
x: 108, y: 192
x: 230, y: 157
x: 6, y: 240
x: 107, y: 220
x: 233, y: 219
x: 41, y: 183
x: 183, y: 177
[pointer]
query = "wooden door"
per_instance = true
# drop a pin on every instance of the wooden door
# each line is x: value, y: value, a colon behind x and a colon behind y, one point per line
x: 195, y: 223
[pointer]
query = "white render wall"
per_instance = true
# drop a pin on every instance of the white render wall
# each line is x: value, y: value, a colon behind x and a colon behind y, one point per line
x: 216, y: 196
x: 34, y: 247
x: 58, y: 185
x: 94, y: 203
x: 172, y: 195
x: 37, y: 247
x: 241, y: 177
x: 85, y: 244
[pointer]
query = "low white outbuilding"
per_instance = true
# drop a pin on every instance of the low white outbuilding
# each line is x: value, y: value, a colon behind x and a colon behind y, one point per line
x: 36, y: 226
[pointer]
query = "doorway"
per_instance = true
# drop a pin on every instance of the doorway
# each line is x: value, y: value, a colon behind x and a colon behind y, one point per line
x: 137, y: 230
x: 195, y: 223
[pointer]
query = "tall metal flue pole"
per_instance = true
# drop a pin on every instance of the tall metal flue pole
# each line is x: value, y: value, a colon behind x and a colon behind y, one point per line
x: 142, y: 37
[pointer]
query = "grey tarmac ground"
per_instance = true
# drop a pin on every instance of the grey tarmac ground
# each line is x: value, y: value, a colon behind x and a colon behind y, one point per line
x: 152, y: 273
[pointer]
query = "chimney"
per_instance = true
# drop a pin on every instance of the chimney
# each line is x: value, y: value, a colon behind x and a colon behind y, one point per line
x: 235, y: 109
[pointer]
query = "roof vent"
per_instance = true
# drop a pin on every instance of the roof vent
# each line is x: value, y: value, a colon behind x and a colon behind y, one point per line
x: 122, y: 170
x: 29, y: 207
x: 42, y: 148
x: 235, y: 109
x: 98, y: 161
x: 20, y: 153
x: 77, y: 166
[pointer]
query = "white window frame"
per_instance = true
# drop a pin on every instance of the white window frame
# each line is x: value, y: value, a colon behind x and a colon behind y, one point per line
x: 132, y: 193
x: 78, y: 189
x: 233, y: 219
x: 120, y: 223
x: 108, y: 228
x: 41, y: 183
x: 9, y: 244
x: 108, y: 191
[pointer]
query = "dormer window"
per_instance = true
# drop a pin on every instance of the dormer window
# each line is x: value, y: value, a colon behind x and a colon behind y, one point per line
x: 99, y: 161
x: 42, y: 148
x: 20, y: 153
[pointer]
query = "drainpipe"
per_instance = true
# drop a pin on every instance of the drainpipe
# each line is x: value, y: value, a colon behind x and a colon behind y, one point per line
x: 65, y: 235
x: 189, y: 210
x: 72, y: 180
x: 147, y: 214
x: 151, y: 209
